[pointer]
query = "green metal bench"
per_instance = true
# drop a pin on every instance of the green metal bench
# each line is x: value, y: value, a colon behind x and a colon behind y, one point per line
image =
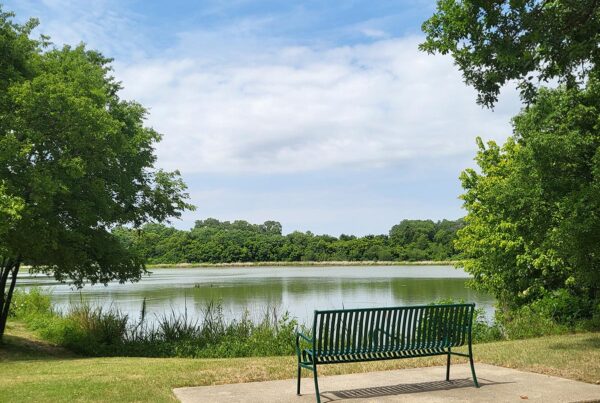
x: 356, y: 335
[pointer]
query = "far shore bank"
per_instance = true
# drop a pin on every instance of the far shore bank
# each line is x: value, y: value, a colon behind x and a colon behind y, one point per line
x: 300, y: 264
x: 25, y: 268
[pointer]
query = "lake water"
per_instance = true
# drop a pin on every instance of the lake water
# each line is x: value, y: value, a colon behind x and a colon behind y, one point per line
x: 298, y: 290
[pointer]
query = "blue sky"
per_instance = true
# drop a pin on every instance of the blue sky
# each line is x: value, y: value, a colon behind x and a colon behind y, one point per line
x: 322, y: 115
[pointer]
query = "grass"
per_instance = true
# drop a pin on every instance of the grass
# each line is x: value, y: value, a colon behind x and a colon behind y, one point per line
x: 34, y: 370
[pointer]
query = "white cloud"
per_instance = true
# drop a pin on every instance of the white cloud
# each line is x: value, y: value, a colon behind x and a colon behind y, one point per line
x: 291, y: 109
x: 373, y: 33
x: 233, y: 99
x: 105, y: 25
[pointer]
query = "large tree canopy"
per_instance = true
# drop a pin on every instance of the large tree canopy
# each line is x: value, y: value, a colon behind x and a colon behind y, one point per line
x: 533, y: 223
x: 532, y: 233
x: 75, y: 161
x: 530, y: 41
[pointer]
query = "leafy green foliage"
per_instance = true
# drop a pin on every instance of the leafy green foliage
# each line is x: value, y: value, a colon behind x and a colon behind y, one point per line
x: 532, y: 233
x: 10, y: 208
x: 530, y: 41
x: 213, y: 241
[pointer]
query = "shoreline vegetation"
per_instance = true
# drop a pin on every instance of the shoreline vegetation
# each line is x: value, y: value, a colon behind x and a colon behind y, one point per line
x: 94, y: 330
x: 303, y: 264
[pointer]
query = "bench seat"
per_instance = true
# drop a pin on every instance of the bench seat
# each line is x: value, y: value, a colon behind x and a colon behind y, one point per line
x: 334, y: 357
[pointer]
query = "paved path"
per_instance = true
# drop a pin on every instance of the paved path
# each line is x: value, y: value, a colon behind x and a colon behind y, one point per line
x: 411, y: 385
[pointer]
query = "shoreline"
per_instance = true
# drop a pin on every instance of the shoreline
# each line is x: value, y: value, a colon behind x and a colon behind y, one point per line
x: 301, y: 264
x: 343, y: 263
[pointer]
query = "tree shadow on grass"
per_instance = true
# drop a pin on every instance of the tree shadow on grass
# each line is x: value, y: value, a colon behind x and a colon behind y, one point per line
x: 16, y: 348
x: 585, y: 344
x: 404, y: 388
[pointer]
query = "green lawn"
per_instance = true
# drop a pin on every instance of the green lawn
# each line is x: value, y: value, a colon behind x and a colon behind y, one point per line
x: 33, y: 370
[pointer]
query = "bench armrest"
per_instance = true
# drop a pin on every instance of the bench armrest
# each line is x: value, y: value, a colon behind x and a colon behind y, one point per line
x: 302, y: 336
x: 298, y: 348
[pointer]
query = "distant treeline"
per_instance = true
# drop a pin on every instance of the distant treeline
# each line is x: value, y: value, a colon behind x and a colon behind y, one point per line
x: 213, y: 241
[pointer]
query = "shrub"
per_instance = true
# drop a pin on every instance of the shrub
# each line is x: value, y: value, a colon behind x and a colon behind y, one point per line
x: 563, y: 307
x: 28, y: 303
x: 484, y: 331
x: 527, y: 322
x: 558, y: 312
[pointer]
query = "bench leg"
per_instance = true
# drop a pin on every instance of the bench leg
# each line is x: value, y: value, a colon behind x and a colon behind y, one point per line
x: 472, y: 366
x: 299, y: 373
x: 448, y: 366
x: 317, y: 385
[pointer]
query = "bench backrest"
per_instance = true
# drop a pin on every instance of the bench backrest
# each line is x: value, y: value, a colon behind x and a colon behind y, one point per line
x: 396, y: 328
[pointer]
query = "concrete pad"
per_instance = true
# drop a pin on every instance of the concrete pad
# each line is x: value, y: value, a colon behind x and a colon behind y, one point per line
x: 411, y: 385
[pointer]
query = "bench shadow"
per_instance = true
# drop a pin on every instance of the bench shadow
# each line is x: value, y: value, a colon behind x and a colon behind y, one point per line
x: 404, y: 388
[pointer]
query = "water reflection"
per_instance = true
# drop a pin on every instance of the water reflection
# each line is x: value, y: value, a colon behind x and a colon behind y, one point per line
x: 299, y: 290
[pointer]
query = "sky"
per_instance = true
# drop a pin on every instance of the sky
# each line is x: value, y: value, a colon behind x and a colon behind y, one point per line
x: 322, y: 115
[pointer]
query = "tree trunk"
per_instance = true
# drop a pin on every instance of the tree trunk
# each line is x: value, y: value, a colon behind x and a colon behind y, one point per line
x: 9, y: 269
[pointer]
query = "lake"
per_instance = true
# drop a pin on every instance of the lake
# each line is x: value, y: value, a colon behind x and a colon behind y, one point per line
x: 298, y: 290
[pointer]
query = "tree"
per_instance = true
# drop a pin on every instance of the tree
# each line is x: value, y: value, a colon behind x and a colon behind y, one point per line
x: 532, y: 230
x: 530, y: 41
x: 533, y: 223
x: 410, y: 231
x: 272, y: 227
x: 75, y: 162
